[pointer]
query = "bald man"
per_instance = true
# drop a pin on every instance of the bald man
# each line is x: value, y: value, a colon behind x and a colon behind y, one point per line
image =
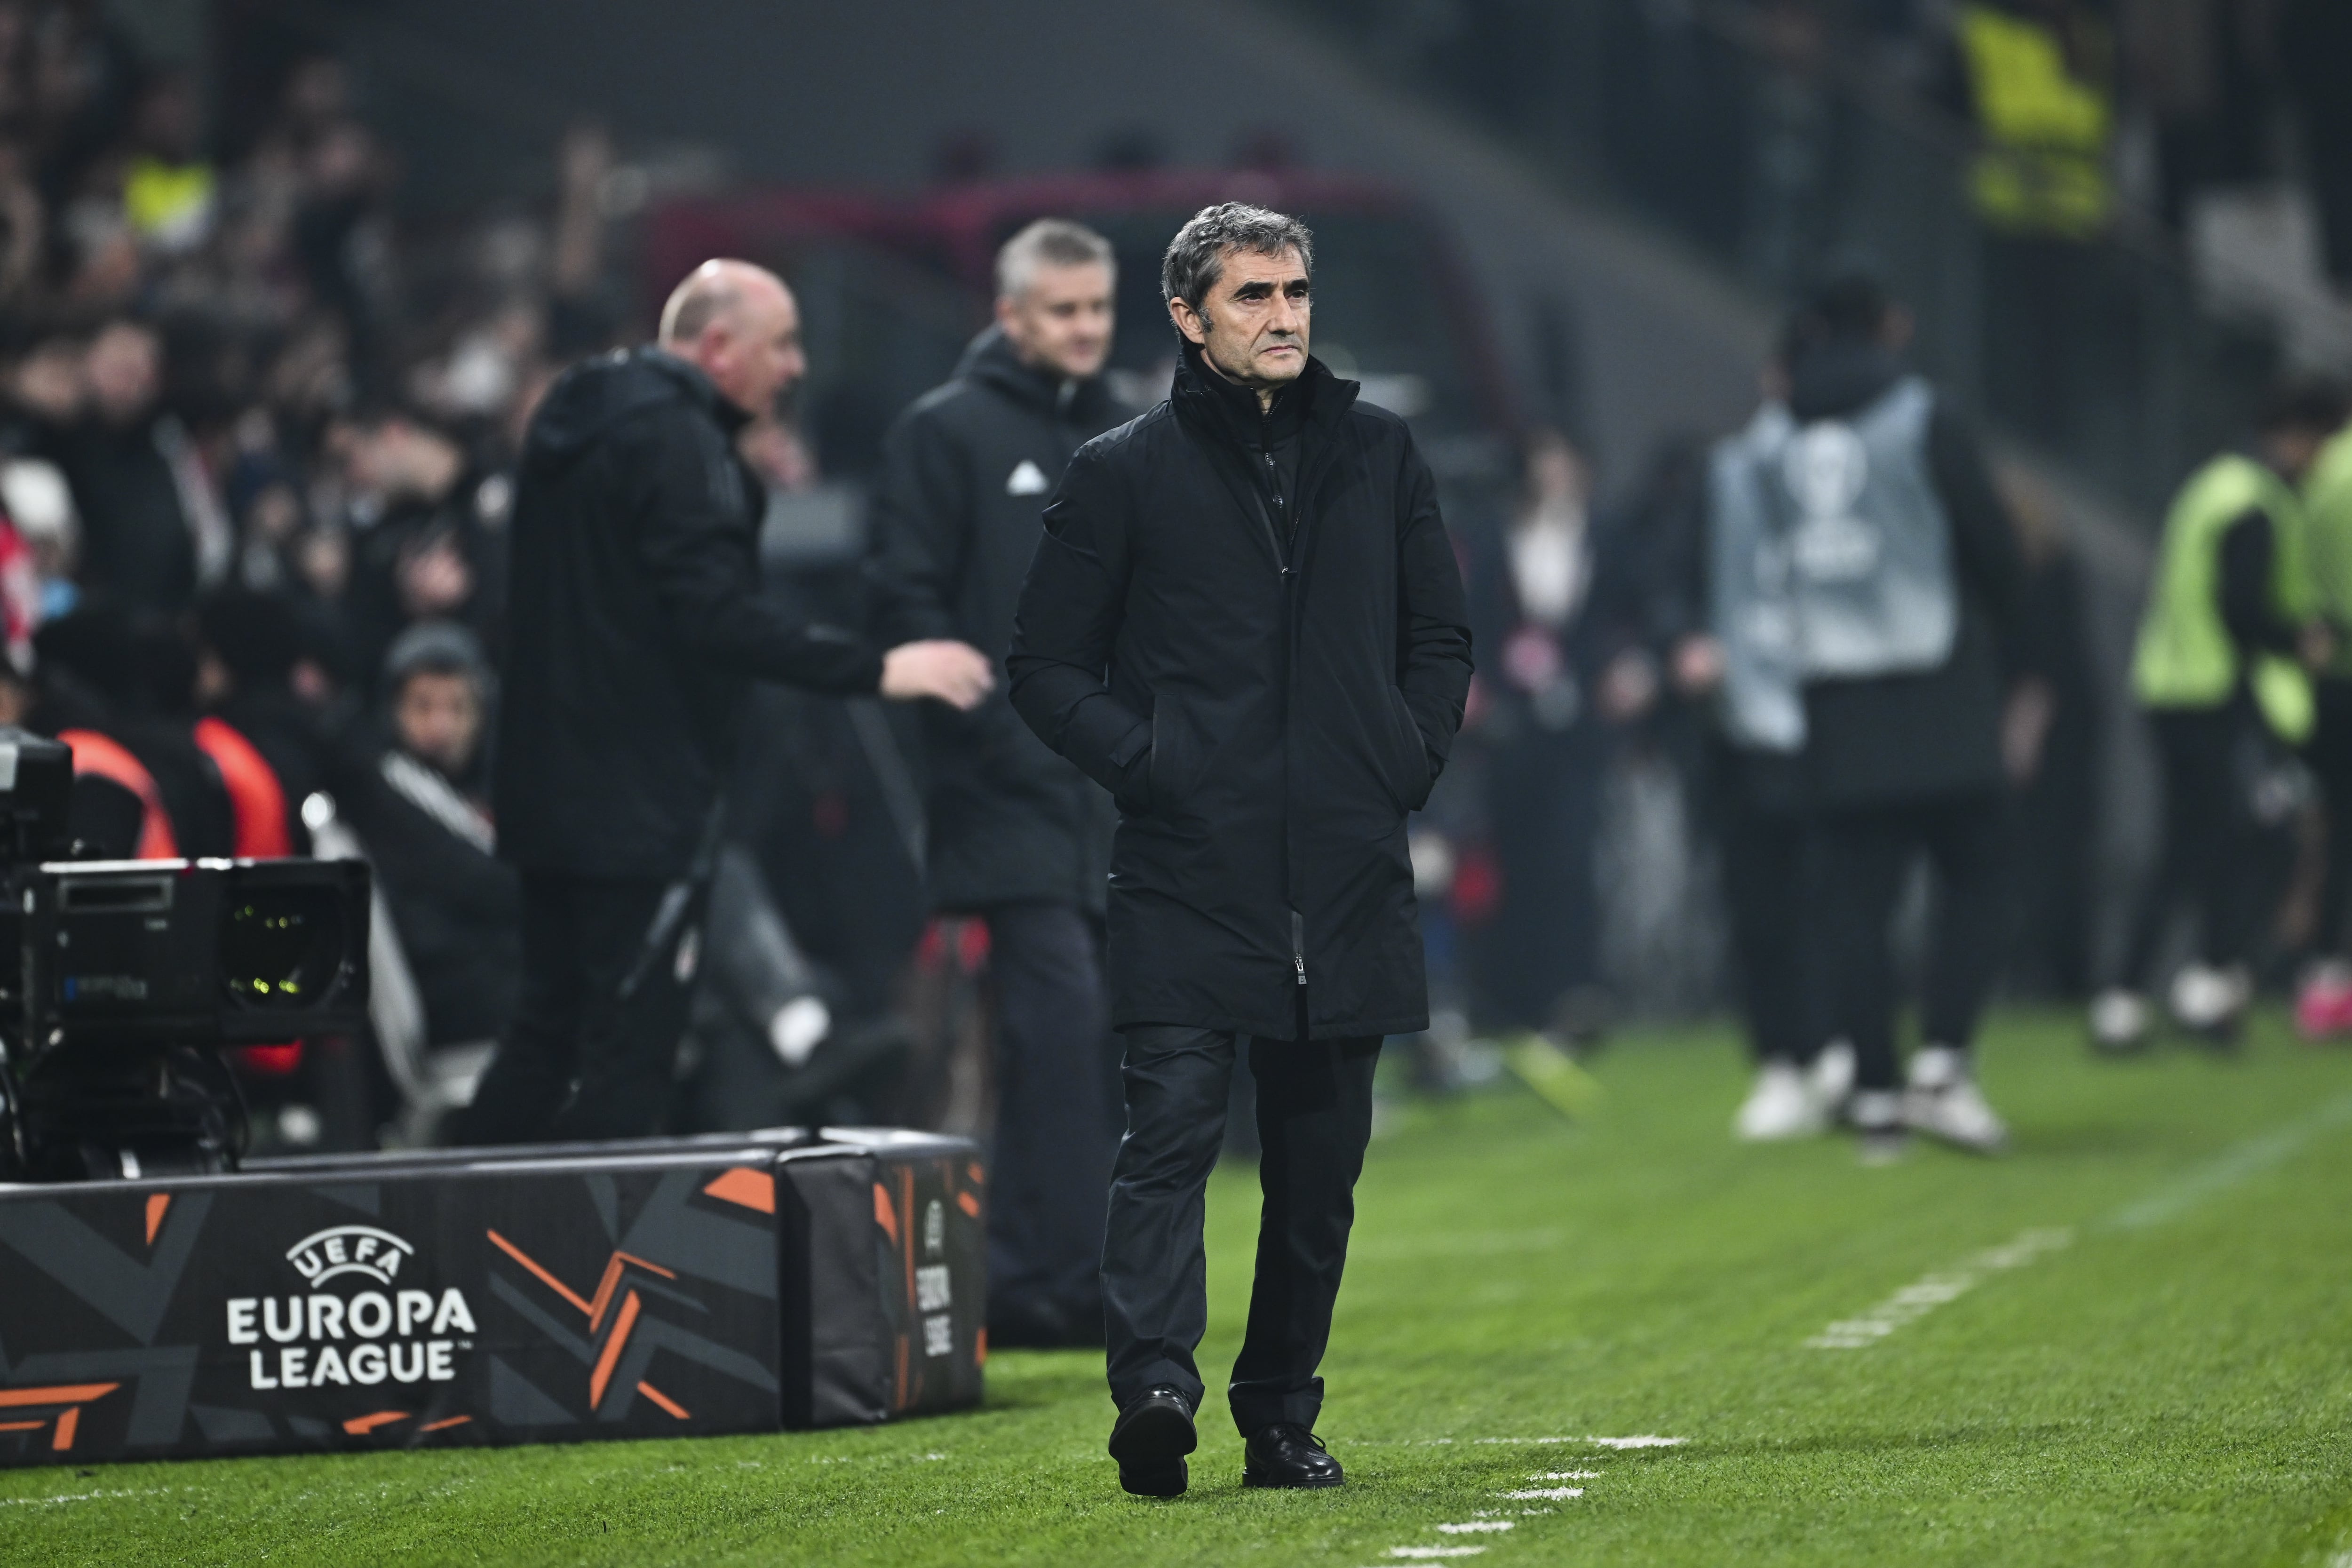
x: 635, y: 623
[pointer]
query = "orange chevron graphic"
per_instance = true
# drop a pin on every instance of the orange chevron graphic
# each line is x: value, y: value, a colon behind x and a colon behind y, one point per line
x: 594, y: 1309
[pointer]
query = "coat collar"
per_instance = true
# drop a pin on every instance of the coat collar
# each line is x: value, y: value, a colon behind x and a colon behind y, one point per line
x: 1316, y: 401
x: 991, y: 361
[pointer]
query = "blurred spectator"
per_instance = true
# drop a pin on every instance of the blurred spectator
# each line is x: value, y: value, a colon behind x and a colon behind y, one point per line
x: 428, y: 540
x: 151, y: 529
x: 249, y: 655
x: 2226, y: 641
x: 1546, y: 689
x: 2050, y: 746
x: 456, y: 907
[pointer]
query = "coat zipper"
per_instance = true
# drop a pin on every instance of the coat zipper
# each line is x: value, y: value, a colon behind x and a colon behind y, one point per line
x: 1289, y: 577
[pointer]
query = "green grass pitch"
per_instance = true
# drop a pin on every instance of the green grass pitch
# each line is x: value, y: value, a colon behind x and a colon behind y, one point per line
x: 2129, y: 1342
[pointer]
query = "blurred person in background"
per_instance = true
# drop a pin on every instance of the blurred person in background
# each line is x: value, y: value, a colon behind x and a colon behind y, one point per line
x: 423, y: 816
x: 1741, y: 652
x: 151, y: 529
x: 118, y: 687
x: 2227, y: 643
x: 1244, y: 620
x: 1017, y: 834
x: 634, y: 624
x: 1904, y: 575
x: 2324, y: 1005
x: 248, y: 652
x: 428, y: 542
x: 2051, y: 738
x: 1553, y: 690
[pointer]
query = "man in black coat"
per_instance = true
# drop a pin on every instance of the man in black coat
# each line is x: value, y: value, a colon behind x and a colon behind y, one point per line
x: 1017, y: 834
x: 634, y: 624
x: 1244, y: 620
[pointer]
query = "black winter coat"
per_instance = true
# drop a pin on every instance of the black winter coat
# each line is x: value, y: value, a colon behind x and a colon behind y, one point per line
x: 634, y: 621
x: 1266, y: 711
x: 965, y: 474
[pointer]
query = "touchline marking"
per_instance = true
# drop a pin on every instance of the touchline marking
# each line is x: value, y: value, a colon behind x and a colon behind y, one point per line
x: 1477, y: 1526
x: 2250, y: 1158
x: 1435, y: 1550
x: 2168, y: 1202
x: 1542, y: 1494
x: 1565, y: 1476
x: 1923, y: 1295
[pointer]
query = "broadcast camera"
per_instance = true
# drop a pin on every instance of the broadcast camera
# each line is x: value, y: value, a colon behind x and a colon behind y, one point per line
x: 130, y: 974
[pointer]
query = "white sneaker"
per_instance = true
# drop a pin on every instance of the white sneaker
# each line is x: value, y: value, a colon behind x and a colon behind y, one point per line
x: 1778, y: 1107
x: 2209, y: 1000
x: 1880, y: 1136
x: 1829, y: 1080
x: 2120, y: 1019
x: 1944, y: 1101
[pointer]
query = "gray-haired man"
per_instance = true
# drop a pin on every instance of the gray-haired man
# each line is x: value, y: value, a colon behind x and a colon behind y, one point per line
x: 1244, y: 620
x: 1017, y: 834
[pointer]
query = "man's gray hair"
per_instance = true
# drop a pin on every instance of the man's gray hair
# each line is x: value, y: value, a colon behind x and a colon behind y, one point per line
x: 1048, y: 242
x: 1196, y: 257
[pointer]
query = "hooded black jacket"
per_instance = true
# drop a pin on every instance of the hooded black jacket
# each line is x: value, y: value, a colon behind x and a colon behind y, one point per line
x: 965, y: 474
x: 1890, y: 739
x: 1265, y: 710
x: 635, y: 620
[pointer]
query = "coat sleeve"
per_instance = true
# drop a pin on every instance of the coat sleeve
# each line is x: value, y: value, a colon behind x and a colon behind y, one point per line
x: 921, y: 523
x: 1990, y: 560
x: 1066, y: 624
x: 692, y: 546
x: 1432, y: 619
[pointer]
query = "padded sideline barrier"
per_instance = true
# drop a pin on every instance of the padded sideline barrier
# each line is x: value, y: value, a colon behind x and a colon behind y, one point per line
x: 732, y: 1283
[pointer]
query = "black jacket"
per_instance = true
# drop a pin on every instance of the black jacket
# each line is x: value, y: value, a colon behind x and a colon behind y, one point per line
x: 1265, y: 712
x: 965, y: 473
x: 1889, y: 739
x: 455, y: 908
x: 634, y: 621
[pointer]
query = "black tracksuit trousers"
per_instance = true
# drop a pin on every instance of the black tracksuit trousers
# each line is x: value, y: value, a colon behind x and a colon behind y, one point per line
x: 2207, y: 857
x: 1057, y: 1124
x: 1314, y: 1118
x: 578, y: 1061
x: 1865, y: 855
x: 1768, y: 871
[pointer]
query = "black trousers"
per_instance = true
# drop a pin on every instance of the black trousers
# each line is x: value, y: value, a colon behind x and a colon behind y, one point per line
x: 2330, y: 756
x: 1314, y: 1117
x: 1767, y: 885
x: 2207, y: 857
x: 1864, y: 856
x: 1057, y: 1121
x: 578, y: 1062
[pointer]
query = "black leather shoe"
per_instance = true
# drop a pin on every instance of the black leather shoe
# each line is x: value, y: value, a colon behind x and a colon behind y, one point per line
x: 1288, y: 1455
x: 1150, y: 1442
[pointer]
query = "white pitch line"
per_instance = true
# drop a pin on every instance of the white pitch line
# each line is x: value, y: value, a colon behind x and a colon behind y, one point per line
x: 1923, y: 1295
x: 1565, y: 1476
x: 1477, y: 1526
x: 1435, y: 1550
x: 2249, y: 1159
x: 1648, y: 1442
x: 1542, y: 1494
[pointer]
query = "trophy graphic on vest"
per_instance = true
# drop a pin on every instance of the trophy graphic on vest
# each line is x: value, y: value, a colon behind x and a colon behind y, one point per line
x: 1831, y: 557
